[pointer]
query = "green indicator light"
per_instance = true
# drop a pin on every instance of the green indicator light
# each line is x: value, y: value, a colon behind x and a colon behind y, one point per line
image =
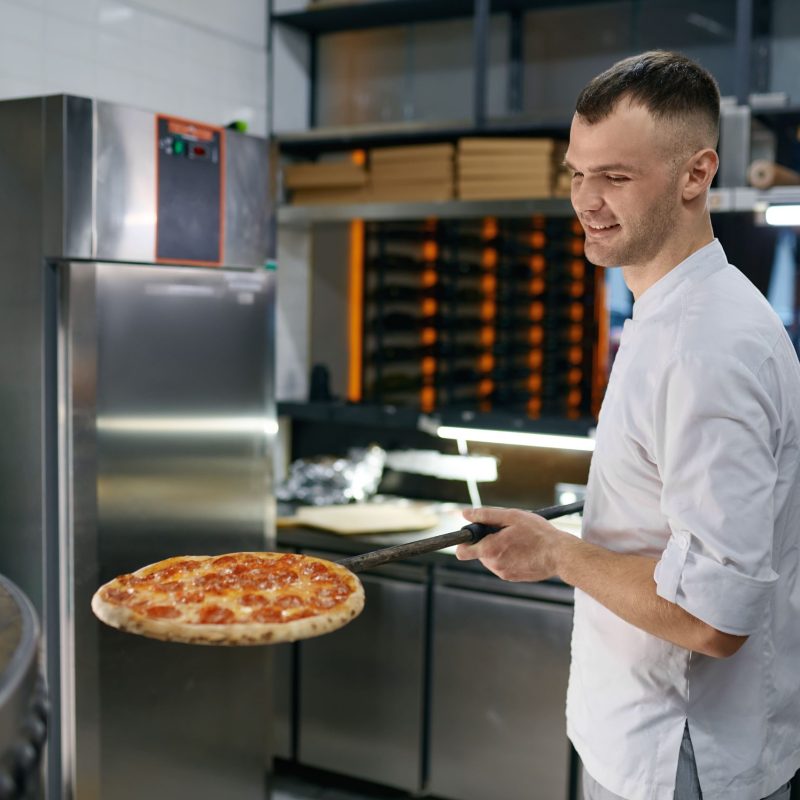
x: 178, y: 147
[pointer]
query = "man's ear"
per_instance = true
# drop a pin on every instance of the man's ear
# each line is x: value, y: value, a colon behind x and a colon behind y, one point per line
x: 700, y: 171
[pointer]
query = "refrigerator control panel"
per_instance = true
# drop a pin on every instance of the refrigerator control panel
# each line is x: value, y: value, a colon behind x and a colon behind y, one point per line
x: 190, y: 192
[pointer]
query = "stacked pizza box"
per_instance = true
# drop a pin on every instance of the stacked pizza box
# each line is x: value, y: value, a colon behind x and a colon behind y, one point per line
x: 340, y: 181
x: 506, y: 169
x: 563, y: 183
x: 412, y: 173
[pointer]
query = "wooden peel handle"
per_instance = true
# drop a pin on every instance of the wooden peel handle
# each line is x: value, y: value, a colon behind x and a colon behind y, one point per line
x: 765, y: 174
x: 469, y: 534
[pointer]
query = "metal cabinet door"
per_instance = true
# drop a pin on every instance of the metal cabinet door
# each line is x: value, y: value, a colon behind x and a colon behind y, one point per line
x: 283, y: 690
x: 282, y: 700
x: 500, y: 668
x: 361, y: 689
x: 167, y: 449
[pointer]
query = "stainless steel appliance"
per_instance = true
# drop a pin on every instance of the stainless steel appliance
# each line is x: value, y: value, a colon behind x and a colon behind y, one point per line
x: 361, y: 692
x: 506, y: 647
x: 137, y: 417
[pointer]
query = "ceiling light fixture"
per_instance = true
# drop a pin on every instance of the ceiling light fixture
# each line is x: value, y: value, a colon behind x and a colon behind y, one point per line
x: 558, y: 442
x: 783, y: 215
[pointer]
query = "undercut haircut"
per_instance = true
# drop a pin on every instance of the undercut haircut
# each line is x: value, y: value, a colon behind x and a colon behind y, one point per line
x: 669, y: 85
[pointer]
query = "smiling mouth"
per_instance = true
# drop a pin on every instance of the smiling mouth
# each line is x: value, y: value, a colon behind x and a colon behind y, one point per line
x: 599, y: 230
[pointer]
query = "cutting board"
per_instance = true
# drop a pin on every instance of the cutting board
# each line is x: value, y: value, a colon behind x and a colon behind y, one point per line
x: 362, y: 518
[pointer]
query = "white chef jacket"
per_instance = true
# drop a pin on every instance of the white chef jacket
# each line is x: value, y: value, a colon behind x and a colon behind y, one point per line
x: 697, y: 464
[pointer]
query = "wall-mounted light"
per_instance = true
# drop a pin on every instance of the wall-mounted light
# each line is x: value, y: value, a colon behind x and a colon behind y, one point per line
x: 186, y: 426
x: 583, y: 443
x: 783, y: 215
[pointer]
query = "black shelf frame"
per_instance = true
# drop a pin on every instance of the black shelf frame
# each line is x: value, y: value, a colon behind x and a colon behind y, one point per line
x: 327, y: 140
x: 334, y: 17
x: 412, y: 419
x: 343, y: 15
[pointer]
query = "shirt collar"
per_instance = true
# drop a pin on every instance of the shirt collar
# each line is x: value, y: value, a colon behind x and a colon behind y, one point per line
x: 692, y: 270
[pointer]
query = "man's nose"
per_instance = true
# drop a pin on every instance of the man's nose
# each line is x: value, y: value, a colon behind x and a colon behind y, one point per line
x: 585, y: 196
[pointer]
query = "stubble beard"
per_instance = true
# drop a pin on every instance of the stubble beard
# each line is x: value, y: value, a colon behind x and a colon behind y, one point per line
x: 642, y: 238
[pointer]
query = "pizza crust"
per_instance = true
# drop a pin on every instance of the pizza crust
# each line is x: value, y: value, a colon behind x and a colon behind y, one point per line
x: 236, y: 633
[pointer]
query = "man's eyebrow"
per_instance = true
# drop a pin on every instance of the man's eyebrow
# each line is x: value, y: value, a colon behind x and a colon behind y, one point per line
x: 616, y: 167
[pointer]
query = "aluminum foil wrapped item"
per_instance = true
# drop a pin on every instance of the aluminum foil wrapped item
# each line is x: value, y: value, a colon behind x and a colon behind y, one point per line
x: 328, y: 481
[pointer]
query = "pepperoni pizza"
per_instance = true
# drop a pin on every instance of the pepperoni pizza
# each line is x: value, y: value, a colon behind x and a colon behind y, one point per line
x: 232, y: 599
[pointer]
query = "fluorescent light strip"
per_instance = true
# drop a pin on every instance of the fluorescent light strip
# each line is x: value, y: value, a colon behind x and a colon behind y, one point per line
x: 198, y: 426
x: 583, y: 443
x: 783, y: 215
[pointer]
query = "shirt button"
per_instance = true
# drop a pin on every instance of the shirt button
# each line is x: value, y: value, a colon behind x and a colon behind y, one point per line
x: 683, y: 541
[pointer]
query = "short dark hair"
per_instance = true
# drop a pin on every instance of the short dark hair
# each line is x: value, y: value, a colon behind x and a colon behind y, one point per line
x: 669, y: 85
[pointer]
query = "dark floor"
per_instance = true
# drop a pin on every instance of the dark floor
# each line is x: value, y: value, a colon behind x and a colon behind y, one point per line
x: 290, y: 783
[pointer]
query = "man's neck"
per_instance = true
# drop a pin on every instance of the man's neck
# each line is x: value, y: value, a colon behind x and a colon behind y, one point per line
x: 640, y: 278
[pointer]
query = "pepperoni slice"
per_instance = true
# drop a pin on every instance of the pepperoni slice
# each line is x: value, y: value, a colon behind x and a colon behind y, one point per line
x: 252, y: 600
x: 267, y: 614
x: 284, y: 577
x: 117, y: 596
x: 216, y: 584
x: 169, y: 588
x: 162, y: 612
x: 289, y: 601
x: 190, y: 597
x: 314, y: 568
x: 225, y: 561
x: 216, y: 615
x: 175, y: 569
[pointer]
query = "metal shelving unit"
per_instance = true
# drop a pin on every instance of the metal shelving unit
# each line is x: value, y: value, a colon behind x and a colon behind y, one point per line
x: 339, y: 15
x: 312, y: 20
x: 451, y: 209
x: 315, y: 18
x: 325, y: 140
x: 330, y: 16
x: 720, y: 200
x: 406, y: 418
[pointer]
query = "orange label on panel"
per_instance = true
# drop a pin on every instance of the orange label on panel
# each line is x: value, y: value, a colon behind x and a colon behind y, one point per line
x: 192, y: 130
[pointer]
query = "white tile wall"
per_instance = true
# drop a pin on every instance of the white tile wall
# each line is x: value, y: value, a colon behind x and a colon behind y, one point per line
x: 202, y: 59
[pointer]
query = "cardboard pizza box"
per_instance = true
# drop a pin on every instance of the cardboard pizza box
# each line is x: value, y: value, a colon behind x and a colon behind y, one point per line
x: 413, y: 153
x: 488, y: 145
x: 325, y: 174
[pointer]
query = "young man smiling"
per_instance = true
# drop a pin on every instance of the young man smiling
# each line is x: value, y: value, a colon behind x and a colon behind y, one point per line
x: 684, y: 680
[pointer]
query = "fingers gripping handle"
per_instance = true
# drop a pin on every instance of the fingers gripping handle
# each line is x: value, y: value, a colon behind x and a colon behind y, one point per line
x: 469, y: 534
x: 478, y: 530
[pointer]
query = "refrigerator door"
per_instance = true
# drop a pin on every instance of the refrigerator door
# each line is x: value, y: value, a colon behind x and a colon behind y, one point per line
x: 167, y: 427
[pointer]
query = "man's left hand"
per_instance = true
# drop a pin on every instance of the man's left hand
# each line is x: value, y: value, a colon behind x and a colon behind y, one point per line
x: 524, y: 550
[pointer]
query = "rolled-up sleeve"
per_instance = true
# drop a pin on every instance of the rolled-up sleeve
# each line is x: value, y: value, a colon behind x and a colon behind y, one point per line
x: 714, y: 427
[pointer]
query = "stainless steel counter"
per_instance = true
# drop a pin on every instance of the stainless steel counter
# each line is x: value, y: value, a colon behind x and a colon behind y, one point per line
x: 451, y: 682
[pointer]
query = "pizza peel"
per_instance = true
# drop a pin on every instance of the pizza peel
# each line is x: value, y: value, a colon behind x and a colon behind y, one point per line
x: 222, y: 633
x: 469, y: 534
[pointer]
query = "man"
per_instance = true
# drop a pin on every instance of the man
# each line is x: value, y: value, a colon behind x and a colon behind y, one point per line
x: 685, y: 676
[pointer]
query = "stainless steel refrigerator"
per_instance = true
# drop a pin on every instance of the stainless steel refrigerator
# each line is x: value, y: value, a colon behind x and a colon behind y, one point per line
x: 137, y: 418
